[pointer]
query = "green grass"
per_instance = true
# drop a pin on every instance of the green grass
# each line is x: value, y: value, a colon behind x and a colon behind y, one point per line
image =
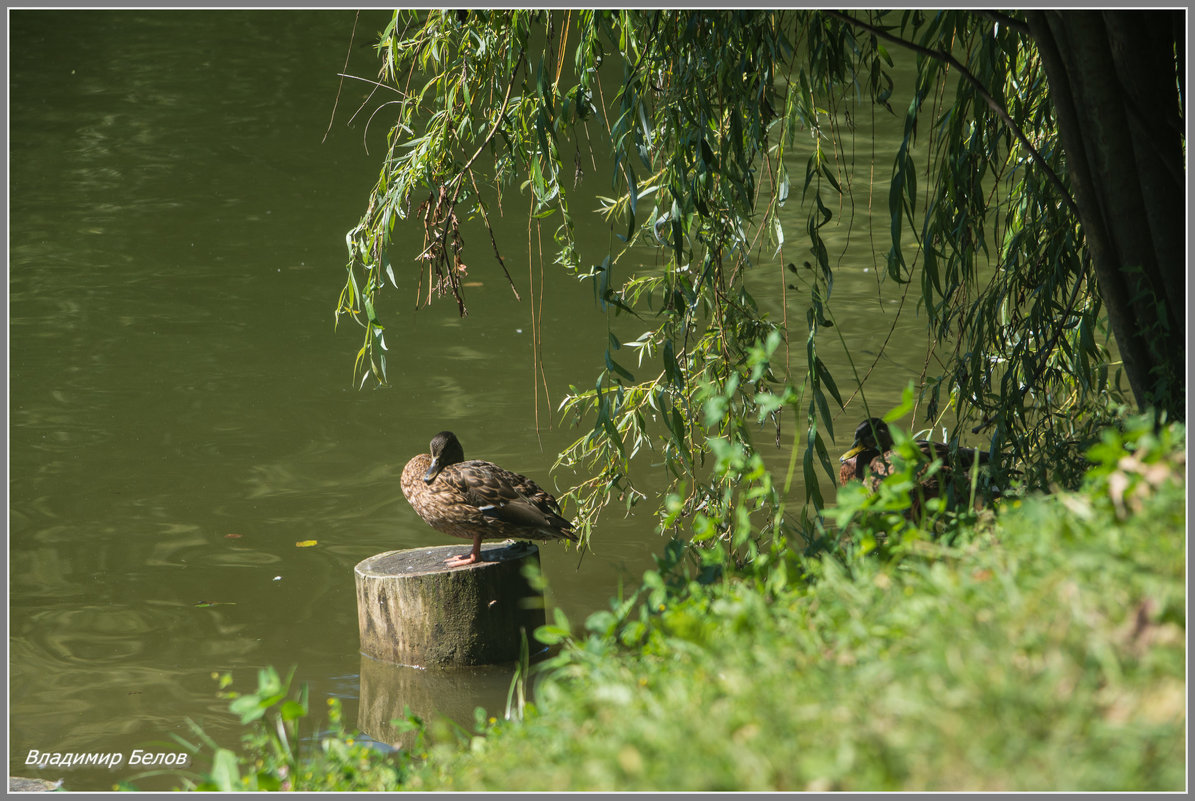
x: 1045, y: 649
x: 1047, y: 653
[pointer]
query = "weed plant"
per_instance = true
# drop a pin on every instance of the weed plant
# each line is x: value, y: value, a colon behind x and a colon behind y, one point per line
x: 1042, y: 651
x: 1039, y: 648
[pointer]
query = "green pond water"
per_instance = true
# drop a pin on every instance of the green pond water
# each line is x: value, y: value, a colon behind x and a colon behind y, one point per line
x: 181, y: 412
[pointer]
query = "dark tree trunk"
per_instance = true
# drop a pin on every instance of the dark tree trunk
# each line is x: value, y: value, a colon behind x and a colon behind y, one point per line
x: 1115, y: 79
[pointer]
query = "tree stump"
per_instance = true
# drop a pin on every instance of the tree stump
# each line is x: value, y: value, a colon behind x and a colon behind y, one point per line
x: 413, y: 610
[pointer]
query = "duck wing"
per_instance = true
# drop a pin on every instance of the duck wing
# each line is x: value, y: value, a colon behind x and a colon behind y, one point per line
x: 508, y: 497
x: 531, y: 491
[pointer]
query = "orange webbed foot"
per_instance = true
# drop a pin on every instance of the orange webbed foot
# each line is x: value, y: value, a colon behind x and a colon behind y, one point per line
x: 461, y: 560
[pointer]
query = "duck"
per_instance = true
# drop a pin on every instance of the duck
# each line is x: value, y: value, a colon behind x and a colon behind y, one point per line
x: 478, y: 500
x: 870, y: 460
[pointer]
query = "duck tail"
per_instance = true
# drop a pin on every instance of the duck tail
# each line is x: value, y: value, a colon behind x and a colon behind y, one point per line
x: 563, y: 528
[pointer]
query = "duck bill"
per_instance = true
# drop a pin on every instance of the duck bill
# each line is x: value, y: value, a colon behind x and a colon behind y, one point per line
x: 432, y: 472
x: 855, y: 451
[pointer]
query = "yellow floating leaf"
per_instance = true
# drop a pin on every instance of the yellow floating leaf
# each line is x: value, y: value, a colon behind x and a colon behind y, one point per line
x: 306, y: 543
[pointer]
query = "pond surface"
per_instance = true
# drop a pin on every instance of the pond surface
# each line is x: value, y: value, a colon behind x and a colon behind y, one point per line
x: 181, y: 409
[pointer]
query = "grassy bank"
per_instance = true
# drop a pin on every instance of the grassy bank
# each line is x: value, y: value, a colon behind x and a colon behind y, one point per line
x: 1047, y: 652
x: 1043, y: 650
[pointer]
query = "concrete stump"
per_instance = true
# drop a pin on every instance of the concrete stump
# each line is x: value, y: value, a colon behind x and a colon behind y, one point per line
x: 412, y: 610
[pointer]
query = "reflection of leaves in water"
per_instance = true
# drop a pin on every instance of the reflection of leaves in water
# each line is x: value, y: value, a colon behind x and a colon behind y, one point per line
x: 233, y: 536
x: 204, y: 604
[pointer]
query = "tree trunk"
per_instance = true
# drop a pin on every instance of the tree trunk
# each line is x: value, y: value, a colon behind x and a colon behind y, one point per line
x: 1114, y: 79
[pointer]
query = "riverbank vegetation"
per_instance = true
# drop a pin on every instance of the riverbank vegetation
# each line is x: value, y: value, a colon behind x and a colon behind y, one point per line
x: 723, y: 148
x: 1038, y: 648
x: 1037, y: 643
x: 1041, y: 651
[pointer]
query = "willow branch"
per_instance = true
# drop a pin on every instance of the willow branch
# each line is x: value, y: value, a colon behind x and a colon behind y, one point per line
x: 340, y: 86
x: 1001, y: 112
x: 490, y: 230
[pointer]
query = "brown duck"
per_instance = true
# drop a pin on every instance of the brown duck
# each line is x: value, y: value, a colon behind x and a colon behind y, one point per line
x: 478, y: 500
x: 870, y: 459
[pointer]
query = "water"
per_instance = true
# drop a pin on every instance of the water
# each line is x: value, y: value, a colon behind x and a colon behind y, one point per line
x: 180, y: 408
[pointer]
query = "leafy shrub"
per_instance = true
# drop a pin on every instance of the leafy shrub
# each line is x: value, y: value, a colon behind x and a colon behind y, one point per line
x: 275, y: 754
x: 1044, y: 651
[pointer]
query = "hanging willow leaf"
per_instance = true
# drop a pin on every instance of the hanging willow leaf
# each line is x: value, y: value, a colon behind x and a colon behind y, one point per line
x: 686, y: 109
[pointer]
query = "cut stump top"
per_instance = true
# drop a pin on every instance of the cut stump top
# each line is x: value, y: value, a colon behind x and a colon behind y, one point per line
x: 425, y: 561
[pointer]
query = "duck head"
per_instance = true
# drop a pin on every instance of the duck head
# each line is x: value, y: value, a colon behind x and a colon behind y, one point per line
x: 445, y: 449
x: 871, y: 435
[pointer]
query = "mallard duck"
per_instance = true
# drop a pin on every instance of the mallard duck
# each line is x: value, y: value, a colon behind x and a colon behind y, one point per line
x: 870, y: 459
x: 478, y: 500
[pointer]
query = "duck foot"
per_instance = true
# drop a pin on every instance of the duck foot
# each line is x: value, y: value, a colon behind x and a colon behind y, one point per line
x: 461, y: 560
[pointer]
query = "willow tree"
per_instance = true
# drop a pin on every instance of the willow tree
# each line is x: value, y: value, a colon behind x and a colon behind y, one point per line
x: 1033, y: 201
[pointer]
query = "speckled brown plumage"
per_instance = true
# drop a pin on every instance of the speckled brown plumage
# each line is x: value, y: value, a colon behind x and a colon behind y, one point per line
x: 870, y: 460
x: 478, y: 500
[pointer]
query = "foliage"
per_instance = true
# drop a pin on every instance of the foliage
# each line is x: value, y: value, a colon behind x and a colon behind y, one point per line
x: 1044, y: 652
x: 1005, y: 279
x: 274, y: 756
x: 709, y: 122
x: 886, y: 515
